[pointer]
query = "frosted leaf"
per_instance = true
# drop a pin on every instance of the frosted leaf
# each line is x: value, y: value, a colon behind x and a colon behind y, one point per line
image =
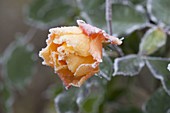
x: 90, y: 98
x: 106, y: 68
x: 155, y: 9
x: 45, y: 13
x: 158, y: 67
x: 85, y: 99
x: 152, y: 41
x: 19, y: 62
x: 129, y: 65
x: 66, y: 102
x: 158, y: 103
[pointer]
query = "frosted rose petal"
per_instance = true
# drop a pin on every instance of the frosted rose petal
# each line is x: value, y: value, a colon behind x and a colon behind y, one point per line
x: 46, y: 54
x: 69, y: 79
x: 86, y: 69
x: 79, y: 42
x: 92, y: 32
x: 58, y: 64
x: 65, y: 30
x: 96, y: 48
x: 74, y: 61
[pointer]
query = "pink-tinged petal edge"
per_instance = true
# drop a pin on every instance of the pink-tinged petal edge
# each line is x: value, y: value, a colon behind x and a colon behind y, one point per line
x: 92, y: 31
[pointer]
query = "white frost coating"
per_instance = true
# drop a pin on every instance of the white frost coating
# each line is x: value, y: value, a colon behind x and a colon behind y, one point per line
x: 40, y: 53
x: 116, y: 64
x: 97, y: 30
x: 135, y: 27
x: 94, y: 65
x: 57, y: 100
x: 80, y: 22
x: 71, y: 84
x: 60, y: 57
x: 157, y: 58
x: 149, y: 8
x: 43, y: 63
x: 64, y: 39
x: 140, y: 8
x: 61, y: 49
x: 160, y: 77
x: 59, y: 30
x: 79, y: 98
x: 144, y: 106
x: 168, y: 111
x: 105, y: 76
x: 168, y: 67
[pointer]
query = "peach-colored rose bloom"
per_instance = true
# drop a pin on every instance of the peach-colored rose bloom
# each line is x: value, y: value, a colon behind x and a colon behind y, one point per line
x: 75, y: 52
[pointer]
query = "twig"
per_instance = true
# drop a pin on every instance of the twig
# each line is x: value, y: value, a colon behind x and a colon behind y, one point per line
x: 109, y: 16
x: 109, y: 24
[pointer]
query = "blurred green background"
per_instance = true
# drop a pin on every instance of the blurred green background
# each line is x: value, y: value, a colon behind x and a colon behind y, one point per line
x: 26, y: 86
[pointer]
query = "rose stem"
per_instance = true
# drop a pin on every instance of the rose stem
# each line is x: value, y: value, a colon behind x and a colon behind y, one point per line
x: 109, y: 24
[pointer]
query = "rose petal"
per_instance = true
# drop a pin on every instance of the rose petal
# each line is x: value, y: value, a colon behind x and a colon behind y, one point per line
x: 87, y: 28
x: 46, y: 54
x: 91, y: 31
x: 58, y: 64
x: 51, y: 38
x: 86, y: 69
x: 79, y: 42
x: 112, y: 39
x: 96, y: 48
x: 69, y: 79
x: 63, y: 50
x: 65, y: 30
x: 74, y: 61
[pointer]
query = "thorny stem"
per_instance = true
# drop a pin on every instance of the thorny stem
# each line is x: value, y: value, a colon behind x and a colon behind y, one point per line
x: 109, y: 24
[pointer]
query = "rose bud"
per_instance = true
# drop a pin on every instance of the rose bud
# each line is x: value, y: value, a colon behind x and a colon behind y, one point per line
x: 75, y: 52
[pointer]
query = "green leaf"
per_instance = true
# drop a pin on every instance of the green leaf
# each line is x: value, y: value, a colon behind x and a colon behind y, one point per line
x: 66, y: 102
x: 153, y: 39
x: 159, y: 10
x: 126, y: 19
x: 128, y: 65
x: 106, y: 69
x: 19, y: 63
x: 85, y: 99
x: 158, y: 67
x: 158, y: 103
x: 4, y: 97
x: 46, y: 13
x: 129, y: 110
x: 91, y: 96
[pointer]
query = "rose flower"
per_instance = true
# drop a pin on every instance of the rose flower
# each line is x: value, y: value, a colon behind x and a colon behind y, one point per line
x: 75, y: 52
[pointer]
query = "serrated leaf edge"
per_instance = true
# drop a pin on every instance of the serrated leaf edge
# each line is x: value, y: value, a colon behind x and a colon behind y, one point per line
x: 157, y: 75
x: 145, y: 35
x: 115, y: 65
